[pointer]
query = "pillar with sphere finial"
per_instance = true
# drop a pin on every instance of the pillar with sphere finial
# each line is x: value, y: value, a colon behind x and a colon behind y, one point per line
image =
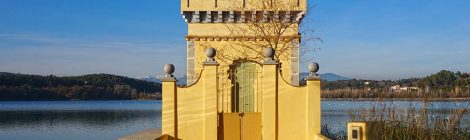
x: 169, y: 69
x: 210, y: 54
x: 314, y: 99
x: 210, y: 94
x: 169, y: 101
x: 269, y: 94
x: 313, y: 69
x: 269, y: 56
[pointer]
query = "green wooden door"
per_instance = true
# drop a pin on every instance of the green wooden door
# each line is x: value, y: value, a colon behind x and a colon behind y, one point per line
x: 244, y: 79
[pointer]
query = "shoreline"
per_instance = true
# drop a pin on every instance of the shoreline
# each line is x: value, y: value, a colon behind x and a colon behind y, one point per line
x: 396, y: 99
x: 323, y: 99
x: 6, y: 100
x: 149, y: 134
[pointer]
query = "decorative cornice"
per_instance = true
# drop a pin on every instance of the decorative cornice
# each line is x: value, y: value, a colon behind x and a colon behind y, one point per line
x: 242, y: 17
x: 238, y: 38
x: 168, y: 79
x: 210, y: 63
x: 270, y: 62
x: 313, y: 78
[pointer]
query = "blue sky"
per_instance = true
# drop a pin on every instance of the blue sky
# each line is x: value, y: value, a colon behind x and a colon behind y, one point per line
x: 368, y: 39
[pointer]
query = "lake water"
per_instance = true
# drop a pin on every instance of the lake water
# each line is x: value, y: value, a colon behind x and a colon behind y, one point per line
x: 76, y: 120
x: 85, y: 120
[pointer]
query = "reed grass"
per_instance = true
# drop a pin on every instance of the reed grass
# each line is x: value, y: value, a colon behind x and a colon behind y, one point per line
x: 328, y: 132
x: 410, y: 123
x: 376, y: 93
x: 413, y: 123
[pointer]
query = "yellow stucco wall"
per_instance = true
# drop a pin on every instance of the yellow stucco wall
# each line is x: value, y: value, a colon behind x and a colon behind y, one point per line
x: 268, y: 105
x: 168, y: 107
x: 224, y: 29
x: 197, y: 107
x: 314, y: 106
x: 293, y: 111
x: 225, y: 37
x: 287, y: 112
x: 210, y: 101
x: 191, y: 111
x: 229, y: 51
x: 299, y: 110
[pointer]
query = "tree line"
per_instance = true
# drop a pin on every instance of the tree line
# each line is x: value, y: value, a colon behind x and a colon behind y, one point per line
x: 86, y: 87
x: 443, y: 84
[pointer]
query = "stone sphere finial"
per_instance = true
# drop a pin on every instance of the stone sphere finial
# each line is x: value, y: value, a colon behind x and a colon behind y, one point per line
x: 269, y: 53
x: 169, y: 70
x: 313, y: 68
x: 210, y: 53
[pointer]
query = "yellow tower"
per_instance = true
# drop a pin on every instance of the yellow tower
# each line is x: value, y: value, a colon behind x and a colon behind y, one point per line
x: 240, y: 30
x: 243, y: 72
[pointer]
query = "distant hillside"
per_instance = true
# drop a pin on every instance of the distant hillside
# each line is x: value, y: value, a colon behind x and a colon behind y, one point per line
x: 443, y: 84
x: 333, y: 77
x: 150, y: 79
x: 180, y: 80
x: 326, y: 76
x: 86, y: 87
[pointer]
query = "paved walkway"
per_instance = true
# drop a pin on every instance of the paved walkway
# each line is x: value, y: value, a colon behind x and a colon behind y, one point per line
x: 149, y: 134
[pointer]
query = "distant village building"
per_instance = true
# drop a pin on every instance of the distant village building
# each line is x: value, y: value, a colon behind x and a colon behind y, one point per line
x: 399, y: 88
x: 367, y: 84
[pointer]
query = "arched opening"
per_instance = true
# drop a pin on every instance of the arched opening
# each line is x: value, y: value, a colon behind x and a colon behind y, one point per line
x: 245, y: 82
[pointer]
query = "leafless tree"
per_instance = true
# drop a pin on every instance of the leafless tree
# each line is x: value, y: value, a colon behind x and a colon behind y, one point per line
x: 270, y: 24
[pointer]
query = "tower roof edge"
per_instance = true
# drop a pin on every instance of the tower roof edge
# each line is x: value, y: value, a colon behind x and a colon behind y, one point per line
x: 243, y: 5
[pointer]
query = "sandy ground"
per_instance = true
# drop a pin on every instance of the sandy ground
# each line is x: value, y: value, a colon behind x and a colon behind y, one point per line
x: 149, y: 134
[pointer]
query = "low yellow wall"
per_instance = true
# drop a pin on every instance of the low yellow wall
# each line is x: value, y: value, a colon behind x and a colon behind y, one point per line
x: 191, y: 111
x: 196, y: 113
x: 299, y: 110
x: 293, y: 112
x: 287, y: 112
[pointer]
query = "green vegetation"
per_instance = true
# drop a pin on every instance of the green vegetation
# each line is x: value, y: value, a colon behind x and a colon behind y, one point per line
x: 87, y: 87
x: 444, y: 84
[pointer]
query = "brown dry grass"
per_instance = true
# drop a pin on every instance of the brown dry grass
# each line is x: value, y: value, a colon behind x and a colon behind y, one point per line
x: 414, y: 123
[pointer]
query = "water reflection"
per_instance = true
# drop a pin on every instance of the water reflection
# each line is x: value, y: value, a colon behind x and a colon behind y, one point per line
x: 77, y: 120
x: 88, y: 119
